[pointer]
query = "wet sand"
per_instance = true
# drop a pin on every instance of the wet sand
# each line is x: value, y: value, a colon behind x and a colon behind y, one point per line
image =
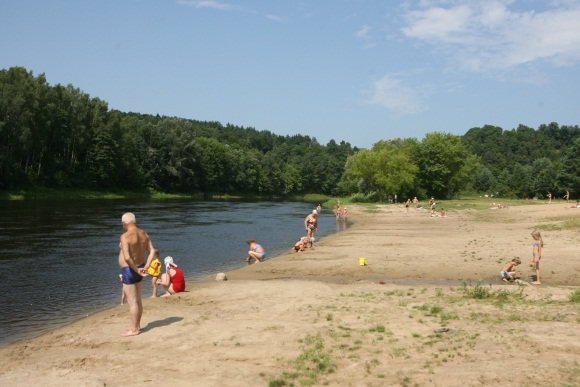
x: 409, y: 317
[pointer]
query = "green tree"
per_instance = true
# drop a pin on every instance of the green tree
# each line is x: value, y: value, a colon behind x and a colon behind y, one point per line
x: 445, y: 164
x: 386, y: 169
x: 569, y: 178
x: 483, y: 180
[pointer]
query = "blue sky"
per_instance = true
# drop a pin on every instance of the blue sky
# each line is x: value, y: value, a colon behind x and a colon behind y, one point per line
x: 354, y: 70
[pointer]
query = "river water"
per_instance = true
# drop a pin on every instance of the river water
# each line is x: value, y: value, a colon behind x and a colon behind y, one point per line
x: 58, y: 259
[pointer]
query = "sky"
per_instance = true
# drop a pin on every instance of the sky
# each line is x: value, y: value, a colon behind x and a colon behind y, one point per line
x: 354, y: 70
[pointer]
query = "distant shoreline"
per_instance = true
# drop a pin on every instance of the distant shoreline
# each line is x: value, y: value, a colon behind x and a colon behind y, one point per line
x: 86, y: 194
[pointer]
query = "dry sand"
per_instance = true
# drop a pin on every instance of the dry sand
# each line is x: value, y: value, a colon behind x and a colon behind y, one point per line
x: 317, y: 317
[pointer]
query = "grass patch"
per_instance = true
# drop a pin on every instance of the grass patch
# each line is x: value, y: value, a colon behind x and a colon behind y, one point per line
x: 569, y: 222
x: 574, y: 296
x: 378, y: 328
x: 309, y: 366
x: 477, y: 292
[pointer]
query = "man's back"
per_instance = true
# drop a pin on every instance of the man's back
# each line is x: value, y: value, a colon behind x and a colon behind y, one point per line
x: 137, y: 242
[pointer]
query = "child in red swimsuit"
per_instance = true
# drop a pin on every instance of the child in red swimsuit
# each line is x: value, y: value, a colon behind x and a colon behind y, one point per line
x: 172, y: 280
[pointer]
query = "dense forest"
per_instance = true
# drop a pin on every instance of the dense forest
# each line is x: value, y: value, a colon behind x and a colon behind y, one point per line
x: 59, y: 137
x: 524, y: 162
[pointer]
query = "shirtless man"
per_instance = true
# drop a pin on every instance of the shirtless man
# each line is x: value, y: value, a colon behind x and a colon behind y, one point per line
x: 134, y: 243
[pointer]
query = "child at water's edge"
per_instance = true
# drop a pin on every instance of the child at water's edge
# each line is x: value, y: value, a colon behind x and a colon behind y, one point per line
x: 508, y: 273
x: 154, y: 271
x: 537, y: 246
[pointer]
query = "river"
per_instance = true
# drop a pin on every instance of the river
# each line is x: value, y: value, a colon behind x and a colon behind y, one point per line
x: 58, y: 259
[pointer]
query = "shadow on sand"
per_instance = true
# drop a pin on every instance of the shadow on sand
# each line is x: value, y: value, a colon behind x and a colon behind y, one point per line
x: 161, y: 323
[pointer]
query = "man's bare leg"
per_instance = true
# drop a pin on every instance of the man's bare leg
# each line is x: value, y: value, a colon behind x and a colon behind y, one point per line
x: 133, y: 294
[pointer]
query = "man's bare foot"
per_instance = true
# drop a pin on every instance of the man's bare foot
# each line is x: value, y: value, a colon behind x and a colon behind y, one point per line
x: 536, y: 283
x: 130, y: 332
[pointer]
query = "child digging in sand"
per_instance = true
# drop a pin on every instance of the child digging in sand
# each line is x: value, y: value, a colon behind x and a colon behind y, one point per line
x: 508, y: 272
x: 537, y: 246
x: 302, y: 244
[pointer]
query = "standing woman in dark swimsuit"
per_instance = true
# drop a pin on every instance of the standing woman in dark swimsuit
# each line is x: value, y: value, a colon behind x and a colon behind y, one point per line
x: 311, y: 224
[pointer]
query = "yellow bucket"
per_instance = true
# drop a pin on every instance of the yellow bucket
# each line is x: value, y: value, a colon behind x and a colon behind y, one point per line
x: 362, y: 261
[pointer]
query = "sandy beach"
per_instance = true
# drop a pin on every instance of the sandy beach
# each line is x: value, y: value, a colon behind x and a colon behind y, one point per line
x: 414, y: 315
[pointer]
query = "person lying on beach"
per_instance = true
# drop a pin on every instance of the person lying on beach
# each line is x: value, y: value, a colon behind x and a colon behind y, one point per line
x: 172, y: 280
x: 256, y: 252
x: 508, y: 272
x: 302, y: 244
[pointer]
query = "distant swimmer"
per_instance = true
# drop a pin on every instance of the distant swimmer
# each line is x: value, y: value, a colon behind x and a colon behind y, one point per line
x: 133, y: 245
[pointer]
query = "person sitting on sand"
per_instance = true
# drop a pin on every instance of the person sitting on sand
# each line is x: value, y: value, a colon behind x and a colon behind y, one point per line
x: 154, y: 271
x: 443, y: 214
x: 172, y: 280
x: 537, y: 246
x: 432, y: 205
x: 256, y: 252
x: 508, y: 273
x: 302, y: 244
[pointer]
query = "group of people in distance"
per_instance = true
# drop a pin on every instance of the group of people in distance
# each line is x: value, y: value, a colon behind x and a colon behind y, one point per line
x: 133, y: 246
x: 432, y: 207
x: 508, y: 272
x: 566, y: 196
x: 340, y: 213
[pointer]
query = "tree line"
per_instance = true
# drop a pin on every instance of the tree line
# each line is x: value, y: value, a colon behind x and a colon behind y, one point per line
x: 524, y: 162
x: 60, y: 137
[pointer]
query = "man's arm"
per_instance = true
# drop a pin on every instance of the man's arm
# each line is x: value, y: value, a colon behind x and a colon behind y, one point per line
x: 151, y: 251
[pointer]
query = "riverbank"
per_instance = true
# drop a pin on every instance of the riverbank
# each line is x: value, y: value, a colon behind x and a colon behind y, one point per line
x: 75, y: 194
x: 413, y: 316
